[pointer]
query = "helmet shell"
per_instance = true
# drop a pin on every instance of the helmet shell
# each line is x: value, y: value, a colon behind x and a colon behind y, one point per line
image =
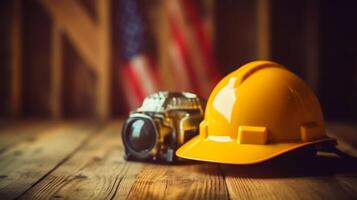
x: 255, y: 113
x: 263, y: 94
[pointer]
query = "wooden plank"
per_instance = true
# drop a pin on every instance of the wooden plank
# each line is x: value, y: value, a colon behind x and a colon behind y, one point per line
x: 16, y: 132
x: 185, y: 181
x: 236, y: 34
x: 36, y: 60
x: 164, y: 41
x: 16, y: 59
x: 246, y: 184
x: 288, y: 27
x: 326, y: 176
x: 96, y: 171
x: 92, y: 40
x: 292, y: 188
x: 103, y: 69
x: 56, y: 97
x: 312, y: 45
x: 79, y: 27
x: 263, y: 26
x: 26, y: 163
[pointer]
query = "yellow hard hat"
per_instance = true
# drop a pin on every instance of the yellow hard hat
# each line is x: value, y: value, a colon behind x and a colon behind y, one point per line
x: 256, y: 113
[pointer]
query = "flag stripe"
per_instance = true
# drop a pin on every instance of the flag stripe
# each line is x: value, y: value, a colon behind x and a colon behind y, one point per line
x: 202, y: 36
x: 134, y: 81
x: 193, y: 50
x: 138, y: 77
x: 181, y: 45
x: 145, y: 77
x: 131, y: 97
x: 181, y: 77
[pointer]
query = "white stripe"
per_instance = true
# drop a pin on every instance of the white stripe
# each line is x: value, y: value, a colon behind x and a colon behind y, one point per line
x: 140, y: 67
x: 132, y: 99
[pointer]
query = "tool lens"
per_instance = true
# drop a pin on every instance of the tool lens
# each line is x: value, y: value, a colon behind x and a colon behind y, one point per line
x: 141, y: 135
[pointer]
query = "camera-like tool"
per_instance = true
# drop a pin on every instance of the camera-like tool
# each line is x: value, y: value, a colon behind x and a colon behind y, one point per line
x: 164, y: 122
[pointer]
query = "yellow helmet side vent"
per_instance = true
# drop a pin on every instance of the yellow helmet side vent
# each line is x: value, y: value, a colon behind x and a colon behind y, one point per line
x: 310, y: 131
x: 252, y: 135
x: 203, y: 132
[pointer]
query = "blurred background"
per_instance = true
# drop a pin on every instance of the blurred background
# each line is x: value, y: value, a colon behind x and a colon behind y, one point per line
x: 99, y: 58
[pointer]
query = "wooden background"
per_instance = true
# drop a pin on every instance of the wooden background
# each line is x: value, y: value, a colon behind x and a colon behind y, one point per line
x: 52, y: 66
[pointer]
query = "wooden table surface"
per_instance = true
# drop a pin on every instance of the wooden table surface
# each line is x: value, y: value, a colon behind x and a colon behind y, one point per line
x: 84, y: 160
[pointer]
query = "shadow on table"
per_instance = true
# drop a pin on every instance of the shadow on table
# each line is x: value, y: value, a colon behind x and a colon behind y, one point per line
x: 180, y: 162
x: 302, y: 163
x: 298, y: 163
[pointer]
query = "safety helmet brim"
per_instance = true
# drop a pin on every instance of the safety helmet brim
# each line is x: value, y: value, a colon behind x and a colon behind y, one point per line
x: 230, y: 152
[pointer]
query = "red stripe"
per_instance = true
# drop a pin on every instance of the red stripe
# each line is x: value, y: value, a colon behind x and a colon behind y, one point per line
x: 134, y: 81
x: 131, y: 100
x: 182, y: 47
x: 202, y: 37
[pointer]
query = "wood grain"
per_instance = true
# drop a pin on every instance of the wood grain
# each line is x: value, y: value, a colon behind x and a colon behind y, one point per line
x: 91, y: 40
x: 79, y: 160
x: 25, y: 163
x: 56, y: 72
x: 103, y: 68
x: 326, y: 176
x: 16, y: 51
x: 186, y: 181
x: 263, y: 26
x: 77, y: 25
x: 292, y: 188
x: 15, y: 133
x: 96, y: 171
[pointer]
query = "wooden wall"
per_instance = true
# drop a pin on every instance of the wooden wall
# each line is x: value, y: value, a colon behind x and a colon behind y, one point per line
x: 52, y: 66
x: 284, y: 31
x: 59, y: 59
x: 5, y: 56
x: 315, y: 39
x: 338, y: 58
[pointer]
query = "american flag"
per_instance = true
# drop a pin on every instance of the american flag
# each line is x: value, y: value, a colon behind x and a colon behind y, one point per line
x: 191, y: 59
x: 138, y: 75
x: 191, y: 53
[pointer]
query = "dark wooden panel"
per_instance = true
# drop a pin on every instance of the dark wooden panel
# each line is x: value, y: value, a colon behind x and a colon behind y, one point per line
x: 91, y: 7
x: 5, y: 57
x: 289, y: 34
x: 79, y: 84
x: 235, y: 33
x: 338, y: 58
x: 36, y: 60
